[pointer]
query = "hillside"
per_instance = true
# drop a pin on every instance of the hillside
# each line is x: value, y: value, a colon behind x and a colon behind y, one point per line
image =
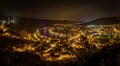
x: 106, y: 20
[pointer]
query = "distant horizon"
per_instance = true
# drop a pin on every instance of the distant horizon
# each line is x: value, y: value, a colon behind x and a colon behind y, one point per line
x: 82, y: 21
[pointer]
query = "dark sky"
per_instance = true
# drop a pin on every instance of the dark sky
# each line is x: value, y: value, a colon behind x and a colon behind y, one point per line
x: 61, y: 9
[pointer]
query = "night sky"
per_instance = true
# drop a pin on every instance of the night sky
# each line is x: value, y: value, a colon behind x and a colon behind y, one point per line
x: 61, y: 9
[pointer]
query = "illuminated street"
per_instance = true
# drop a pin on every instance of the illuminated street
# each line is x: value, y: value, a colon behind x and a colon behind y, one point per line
x: 63, y: 42
x: 60, y: 33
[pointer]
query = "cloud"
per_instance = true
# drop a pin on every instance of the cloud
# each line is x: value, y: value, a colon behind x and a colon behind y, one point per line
x: 74, y: 11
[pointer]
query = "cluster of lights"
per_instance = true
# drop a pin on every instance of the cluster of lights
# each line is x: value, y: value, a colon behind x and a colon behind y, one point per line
x: 68, y: 41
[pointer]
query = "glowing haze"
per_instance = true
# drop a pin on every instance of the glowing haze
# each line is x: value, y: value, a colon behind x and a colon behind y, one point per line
x: 61, y: 10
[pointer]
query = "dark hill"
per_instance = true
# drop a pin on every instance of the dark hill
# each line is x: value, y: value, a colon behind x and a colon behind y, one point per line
x: 104, y: 21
